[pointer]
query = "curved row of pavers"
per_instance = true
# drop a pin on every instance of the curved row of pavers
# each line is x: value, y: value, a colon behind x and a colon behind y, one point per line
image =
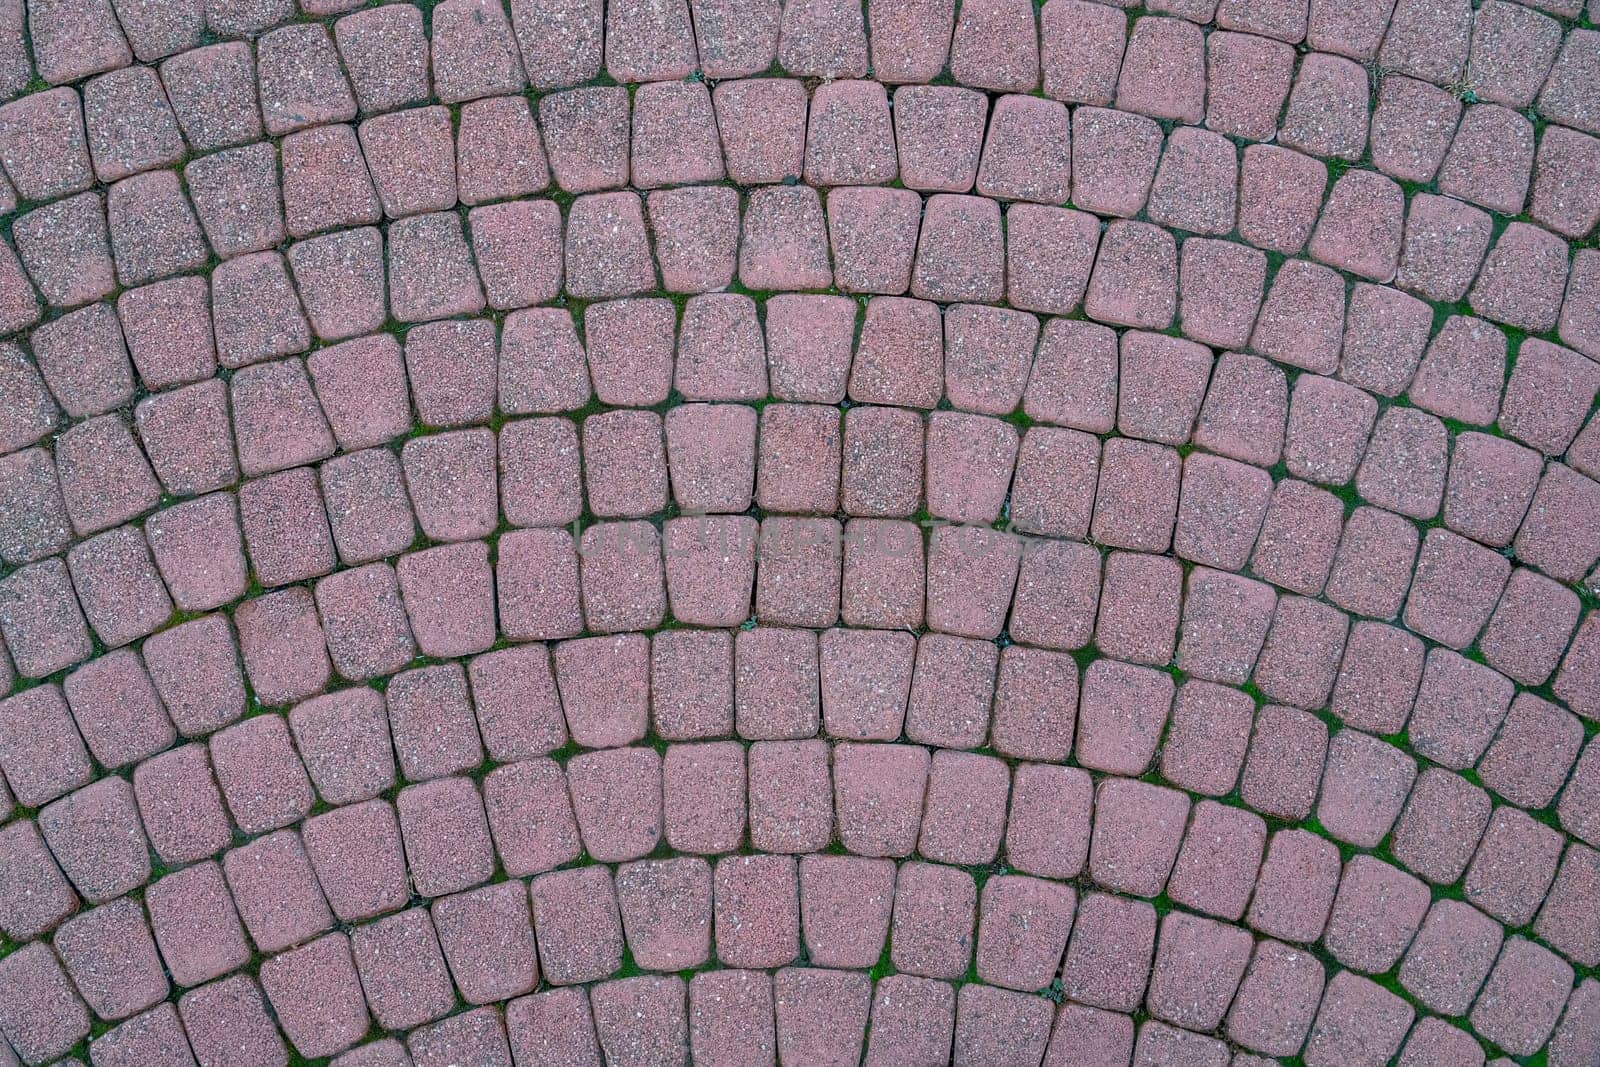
x: 441, y: 838
x: 412, y: 168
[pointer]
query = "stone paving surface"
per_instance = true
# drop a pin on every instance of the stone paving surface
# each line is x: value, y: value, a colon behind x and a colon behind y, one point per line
x: 755, y: 532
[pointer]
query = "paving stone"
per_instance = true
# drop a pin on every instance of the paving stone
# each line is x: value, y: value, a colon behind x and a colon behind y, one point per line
x: 1567, y: 920
x: 691, y: 684
x: 1047, y: 833
x: 34, y: 895
x: 430, y: 270
x: 1441, y: 825
x: 1137, y: 500
x: 1450, y: 957
x: 910, y: 42
x: 874, y: 234
x: 616, y: 796
x: 1558, y: 536
x: 1513, y: 867
x: 1108, y: 958
x: 231, y: 1015
x: 1138, y: 827
x: 791, y: 808
x: 156, y: 1037
x: 739, y: 39
x: 41, y: 1013
x: 1217, y: 865
x: 878, y: 793
x: 666, y: 910
x: 41, y: 621
x: 472, y: 1036
x: 276, y: 892
x: 1205, y: 747
x: 1562, y: 176
x: 1298, y: 538
x: 386, y: 56
x: 65, y: 247
x: 1114, y: 160
x: 696, y: 233
x: 402, y: 969
x: 195, y: 925
x: 326, y: 183
x: 1385, y: 335
x: 757, y: 911
x: 555, y: 1026
x: 530, y: 816
x: 776, y: 683
x: 43, y: 145
x: 36, y: 515
x: 316, y: 996
x: 1026, y: 155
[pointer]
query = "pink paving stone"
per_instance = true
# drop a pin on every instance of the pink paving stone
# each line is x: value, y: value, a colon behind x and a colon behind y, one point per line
x: 261, y: 774
x: 1216, y: 867
x: 451, y: 478
x: 623, y: 587
x: 1047, y: 833
x: 1523, y: 998
x: 112, y: 958
x: 27, y: 410
x: 1195, y: 187
x: 1377, y: 910
x: 910, y: 41
x: 1302, y: 318
x: 965, y: 809
x: 430, y: 270
x: 536, y: 572
x: 117, y: 709
x: 1577, y: 1035
x: 691, y: 684
x: 43, y: 145
x: 1285, y: 762
x: 616, y: 795
x: 1450, y: 956
x: 666, y: 908
x: 1122, y: 715
x: 1384, y: 336
x: 1056, y: 595
x: 845, y: 908
x: 850, y: 140
x: 42, y: 754
x: 882, y: 461
x: 1378, y: 679
x: 641, y: 1020
x: 703, y: 788
x: 1295, y: 889
x: 530, y: 817
x: 996, y: 47
x: 934, y: 912
x: 1135, y: 277
x: 84, y: 361
x: 1567, y: 920
x: 737, y: 39
x: 276, y: 892
x: 1565, y: 97
x: 285, y: 528
x: 878, y: 796
x: 720, y: 349
x: 153, y: 230
x: 1022, y: 931
x: 1441, y: 825
x: 235, y: 194
x: 998, y: 1025
x: 988, y: 354
x: 105, y: 479
x: 369, y: 511
x: 1085, y: 1035
x: 1359, y: 1022
x: 1249, y: 79
x: 40, y: 619
x: 1113, y: 161
x: 798, y: 561
x: 1298, y: 537
x: 474, y: 53
x: 386, y: 55
x: 757, y: 914
x: 195, y: 925
x: 1205, y: 748
x: 883, y: 574
x: 674, y: 136
x: 1522, y: 279
x: 1364, y: 784
x: 1327, y: 110
x: 588, y: 136
x: 1139, y: 606
x: 255, y: 311
x: 1360, y: 227
x: 1456, y: 587
x: 449, y: 599
x: 402, y: 970
x: 1532, y: 753
x: 411, y: 157
x: 1053, y: 489
x: 316, y: 995
x: 1108, y: 958
x: 553, y: 1027
x: 518, y: 249
x: 1462, y: 375
x: 1372, y: 568
x: 446, y: 836
x: 356, y: 853
x: 340, y: 277
x: 1198, y: 965
x: 1490, y: 159
x: 325, y: 181
x: 970, y: 459
x: 432, y: 723
x: 118, y: 588
x: 1138, y: 827
x: 798, y: 465
x: 1163, y: 70
x: 300, y: 80
x: 1560, y: 535
x: 578, y: 926
x: 630, y: 350
x: 40, y: 1013
x: 791, y: 800
x: 1513, y: 867
x: 1329, y: 423
x: 1302, y: 651
x: 866, y: 680
x: 1404, y: 468
x: 1563, y: 192
x: 1226, y: 619
x: 1137, y: 500
x: 1550, y: 390
x: 361, y: 385
x: 34, y: 895
x: 1512, y: 52
x: 1276, y: 1001
x: 1574, y: 682
x: 1081, y: 48
x: 1162, y: 382
x: 776, y: 683
x: 1279, y: 197
x: 541, y: 365
x: 65, y: 248
x: 470, y: 1037
x: 1491, y: 483
x: 1049, y: 254
x: 607, y: 251
x: 277, y: 421
x: 763, y: 127
x: 96, y: 838
x: 181, y: 805
x: 1427, y: 41
x: 1577, y: 809
x: 697, y: 233
x: 195, y: 669
x: 784, y: 244
x: 981, y: 564
x: 1412, y: 129
x: 939, y: 133
x: 874, y: 233
x: 1219, y: 286
x: 452, y: 370
x: 343, y: 738
x: 1027, y: 154
x: 365, y: 622
x: 188, y: 439
x: 731, y: 1015
x: 155, y: 1037
x: 36, y: 517
x: 230, y: 1018
x: 711, y: 455
x: 1530, y: 627
x: 1245, y: 409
